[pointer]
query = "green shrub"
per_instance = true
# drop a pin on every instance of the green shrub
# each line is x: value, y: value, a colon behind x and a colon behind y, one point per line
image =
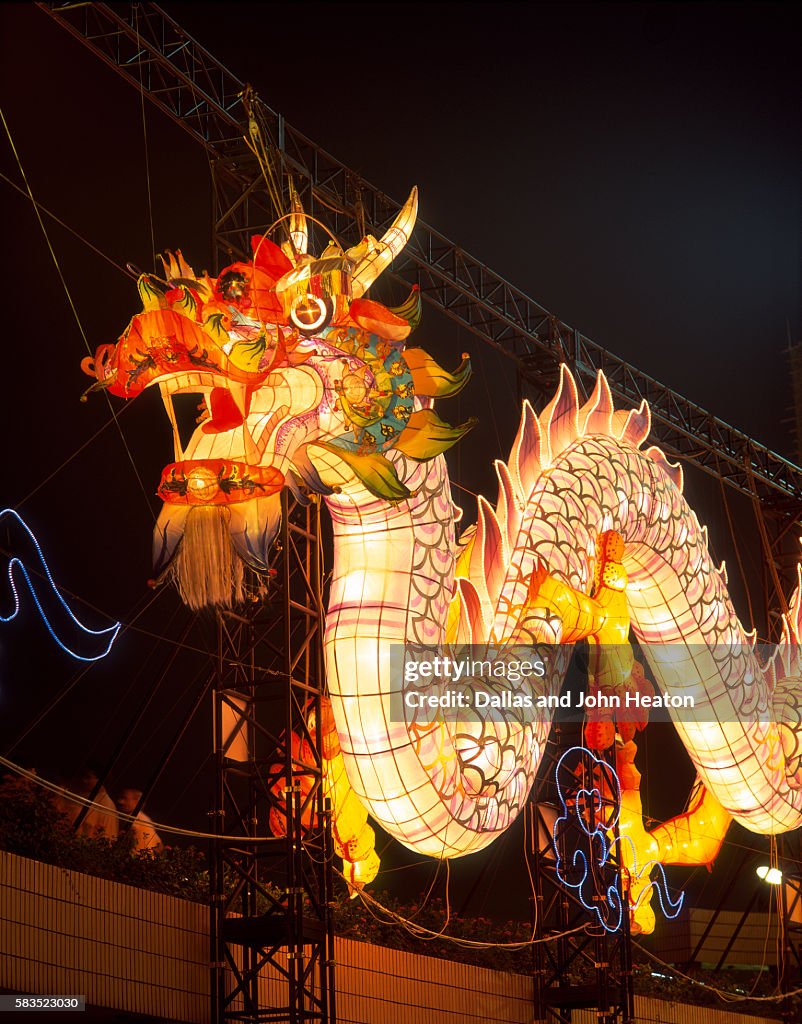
x: 31, y: 826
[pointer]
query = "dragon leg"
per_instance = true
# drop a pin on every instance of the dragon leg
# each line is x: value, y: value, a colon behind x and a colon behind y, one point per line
x: 354, y: 840
x: 692, y: 838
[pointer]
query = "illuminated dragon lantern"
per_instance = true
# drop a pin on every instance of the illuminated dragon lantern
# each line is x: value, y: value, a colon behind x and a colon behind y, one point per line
x: 308, y: 384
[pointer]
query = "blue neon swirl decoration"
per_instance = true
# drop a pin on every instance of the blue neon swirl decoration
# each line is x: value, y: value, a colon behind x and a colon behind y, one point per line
x: 609, y: 912
x: 15, y: 563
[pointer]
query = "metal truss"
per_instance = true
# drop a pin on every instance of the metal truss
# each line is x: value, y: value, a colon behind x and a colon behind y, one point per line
x: 590, y: 968
x: 789, y: 903
x: 271, y: 897
x: 789, y: 969
x: 203, y: 97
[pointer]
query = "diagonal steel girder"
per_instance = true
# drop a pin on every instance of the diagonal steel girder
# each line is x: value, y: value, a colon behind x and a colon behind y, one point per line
x: 149, y: 49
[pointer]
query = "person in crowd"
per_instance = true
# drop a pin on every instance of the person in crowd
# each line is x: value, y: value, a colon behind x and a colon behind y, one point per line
x: 144, y: 835
x: 100, y: 820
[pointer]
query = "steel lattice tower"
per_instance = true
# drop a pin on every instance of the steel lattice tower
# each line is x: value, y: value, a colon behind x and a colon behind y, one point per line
x: 271, y: 952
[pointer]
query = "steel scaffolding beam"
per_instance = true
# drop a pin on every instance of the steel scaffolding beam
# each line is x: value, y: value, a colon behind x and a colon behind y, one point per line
x: 579, y: 964
x: 271, y: 902
x: 185, y: 81
x: 789, y: 969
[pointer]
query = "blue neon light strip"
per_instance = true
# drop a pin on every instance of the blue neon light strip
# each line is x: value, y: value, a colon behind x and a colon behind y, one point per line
x: 612, y: 919
x: 110, y: 632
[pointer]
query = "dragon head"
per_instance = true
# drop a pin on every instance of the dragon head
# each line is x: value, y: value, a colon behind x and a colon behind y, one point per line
x: 304, y: 383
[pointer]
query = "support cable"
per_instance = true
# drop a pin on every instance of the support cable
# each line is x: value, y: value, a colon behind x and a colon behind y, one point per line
x: 735, y: 545
x: 62, y: 224
x: 768, y: 555
x: 728, y: 997
x: 63, y: 465
x: 71, y: 303
x: 132, y: 727
x: 261, y: 145
x: 151, y: 598
x: 145, y: 137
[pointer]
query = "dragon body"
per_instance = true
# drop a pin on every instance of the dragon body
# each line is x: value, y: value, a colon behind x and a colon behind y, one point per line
x: 573, y: 475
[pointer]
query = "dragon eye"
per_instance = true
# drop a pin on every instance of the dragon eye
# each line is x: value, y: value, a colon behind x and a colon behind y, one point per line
x: 233, y: 286
x: 311, y: 313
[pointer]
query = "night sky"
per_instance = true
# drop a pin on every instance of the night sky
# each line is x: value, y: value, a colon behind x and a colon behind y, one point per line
x: 634, y: 167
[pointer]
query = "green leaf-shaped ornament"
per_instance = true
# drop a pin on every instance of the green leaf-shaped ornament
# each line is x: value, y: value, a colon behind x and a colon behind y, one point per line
x: 430, y: 379
x: 373, y: 470
x: 426, y: 435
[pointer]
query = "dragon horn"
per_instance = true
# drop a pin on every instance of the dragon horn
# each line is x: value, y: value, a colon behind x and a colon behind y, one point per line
x: 386, y: 250
x: 299, y: 232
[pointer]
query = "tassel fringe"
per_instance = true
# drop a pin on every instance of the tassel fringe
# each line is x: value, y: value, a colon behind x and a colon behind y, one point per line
x: 207, y: 570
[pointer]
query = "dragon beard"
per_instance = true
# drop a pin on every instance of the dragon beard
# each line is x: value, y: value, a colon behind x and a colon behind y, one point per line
x: 206, y: 569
